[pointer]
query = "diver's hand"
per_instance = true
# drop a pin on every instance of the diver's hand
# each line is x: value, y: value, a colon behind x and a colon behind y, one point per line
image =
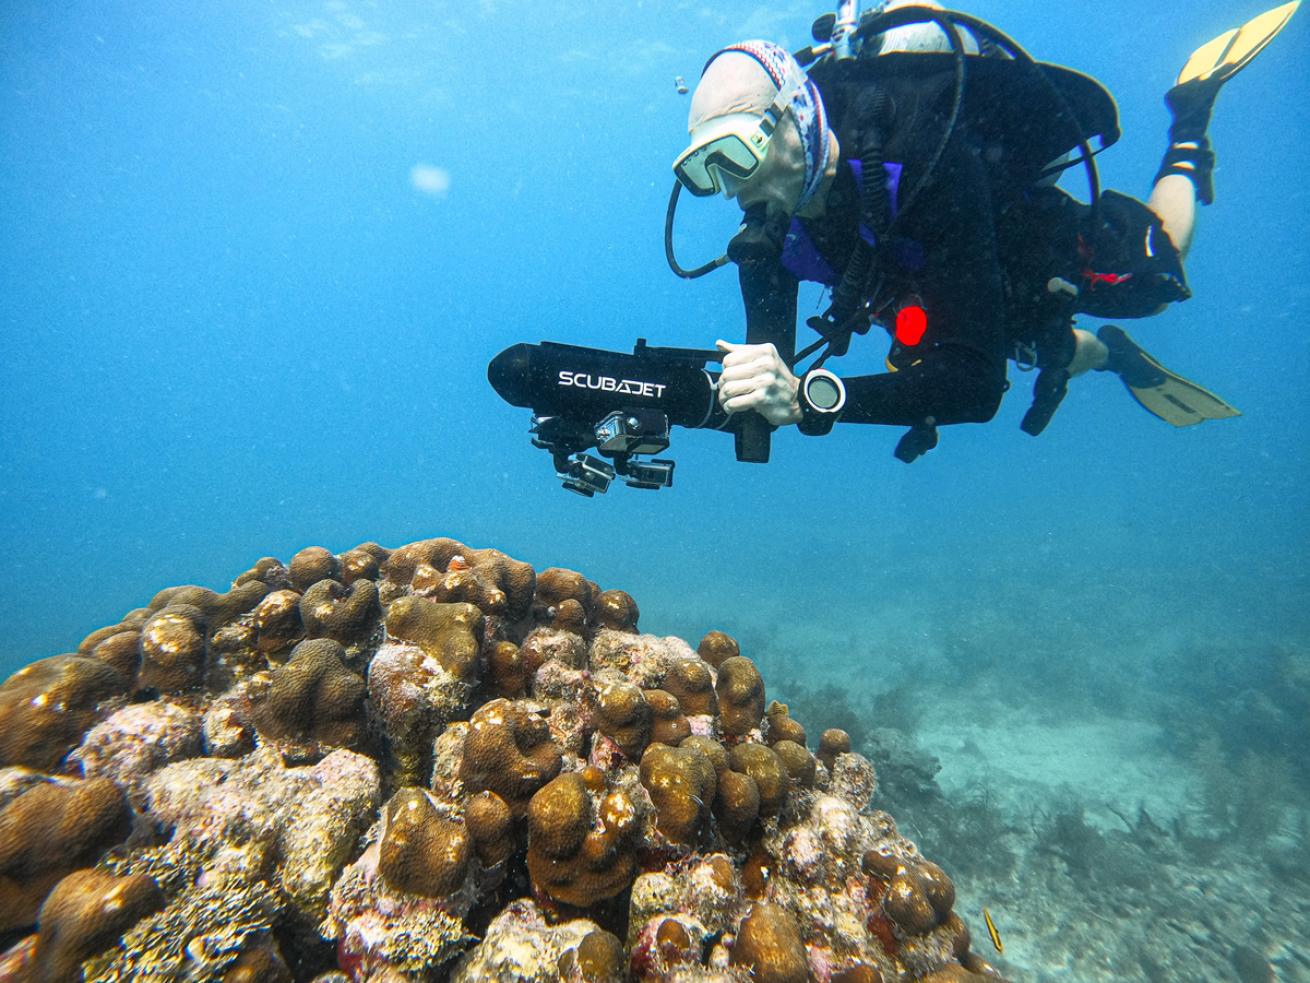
x: 756, y: 378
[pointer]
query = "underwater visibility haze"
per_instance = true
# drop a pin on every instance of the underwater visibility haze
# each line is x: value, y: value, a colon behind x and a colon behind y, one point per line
x: 257, y: 257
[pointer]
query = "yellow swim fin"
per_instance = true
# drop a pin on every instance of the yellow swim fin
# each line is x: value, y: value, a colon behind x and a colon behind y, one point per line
x: 1169, y: 396
x: 1233, y: 50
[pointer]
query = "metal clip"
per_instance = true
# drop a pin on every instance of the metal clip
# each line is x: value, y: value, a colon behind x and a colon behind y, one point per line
x: 1025, y: 356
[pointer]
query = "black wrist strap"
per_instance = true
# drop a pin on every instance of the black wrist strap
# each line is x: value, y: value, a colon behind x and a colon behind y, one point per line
x: 816, y: 421
x: 815, y: 424
x: 1196, y: 163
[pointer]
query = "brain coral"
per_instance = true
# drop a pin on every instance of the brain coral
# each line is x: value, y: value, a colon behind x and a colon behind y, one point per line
x: 433, y: 763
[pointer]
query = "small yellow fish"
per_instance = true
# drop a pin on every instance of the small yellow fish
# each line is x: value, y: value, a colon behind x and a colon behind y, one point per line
x: 991, y: 930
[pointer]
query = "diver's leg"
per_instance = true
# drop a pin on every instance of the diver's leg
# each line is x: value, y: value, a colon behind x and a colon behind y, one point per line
x: 1186, y: 172
x: 1173, y: 199
x: 1089, y: 354
x: 1189, y: 160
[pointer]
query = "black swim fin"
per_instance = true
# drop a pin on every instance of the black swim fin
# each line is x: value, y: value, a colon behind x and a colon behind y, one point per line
x: 1159, y: 391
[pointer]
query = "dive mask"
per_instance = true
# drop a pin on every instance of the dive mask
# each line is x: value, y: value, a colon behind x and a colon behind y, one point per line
x: 727, y: 150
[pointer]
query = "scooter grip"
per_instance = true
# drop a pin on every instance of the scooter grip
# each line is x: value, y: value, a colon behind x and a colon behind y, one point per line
x: 752, y: 439
x: 770, y: 320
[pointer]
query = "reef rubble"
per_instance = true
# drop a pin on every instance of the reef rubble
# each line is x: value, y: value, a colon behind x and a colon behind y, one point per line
x: 435, y: 763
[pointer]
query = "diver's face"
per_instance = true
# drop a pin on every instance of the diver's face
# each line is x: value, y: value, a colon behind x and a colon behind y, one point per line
x: 780, y: 178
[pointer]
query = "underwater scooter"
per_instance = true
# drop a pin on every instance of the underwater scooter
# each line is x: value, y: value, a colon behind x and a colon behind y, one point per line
x: 620, y: 405
x: 623, y: 406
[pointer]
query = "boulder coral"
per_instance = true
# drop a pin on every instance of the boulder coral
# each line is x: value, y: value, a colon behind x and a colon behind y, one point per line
x: 762, y: 766
x: 769, y: 945
x: 311, y: 704
x: 581, y: 847
x: 669, y: 725
x: 449, y: 633
x: 487, y: 579
x: 47, y: 707
x: 50, y: 831
x: 121, y: 651
x: 88, y: 911
x: 565, y: 599
x: 312, y: 565
x: 330, y: 609
x: 364, y: 562
x: 130, y: 622
x: 507, y: 670
x: 692, y: 682
x: 509, y: 751
x: 422, y: 852
x: 781, y: 725
x: 616, y: 610
x: 277, y: 622
x: 740, y: 690
x: 435, y: 763
x: 491, y: 825
x: 624, y: 716
x: 448, y: 571
x: 174, y: 646
x: 681, y: 783
x: 717, y: 647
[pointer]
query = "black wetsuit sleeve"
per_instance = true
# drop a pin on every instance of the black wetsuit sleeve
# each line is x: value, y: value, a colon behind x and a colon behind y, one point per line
x: 956, y: 374
x: 769, y: 291
x: 952, y: 384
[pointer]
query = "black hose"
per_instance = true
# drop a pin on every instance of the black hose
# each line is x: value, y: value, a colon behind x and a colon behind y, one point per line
x: 900, y: 17
x: 855, y: 279
x: 879, y: 23
x: 875, y: 211
x: 686, y: 274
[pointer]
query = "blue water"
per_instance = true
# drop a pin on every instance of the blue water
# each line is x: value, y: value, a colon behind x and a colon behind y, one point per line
x: 234, y: 326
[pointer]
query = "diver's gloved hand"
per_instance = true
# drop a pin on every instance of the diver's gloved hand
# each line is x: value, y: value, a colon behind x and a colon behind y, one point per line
x: 756, y: 378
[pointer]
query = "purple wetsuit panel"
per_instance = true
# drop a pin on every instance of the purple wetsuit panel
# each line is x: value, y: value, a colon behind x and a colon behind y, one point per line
x: 802, y: 258
x: 893, y: 171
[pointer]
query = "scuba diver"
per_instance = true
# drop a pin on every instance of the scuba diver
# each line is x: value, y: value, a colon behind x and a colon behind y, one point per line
x: 907, y: 162
x: 928, y: 207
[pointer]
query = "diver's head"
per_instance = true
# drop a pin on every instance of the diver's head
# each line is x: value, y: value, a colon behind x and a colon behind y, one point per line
x: 759, y: 132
